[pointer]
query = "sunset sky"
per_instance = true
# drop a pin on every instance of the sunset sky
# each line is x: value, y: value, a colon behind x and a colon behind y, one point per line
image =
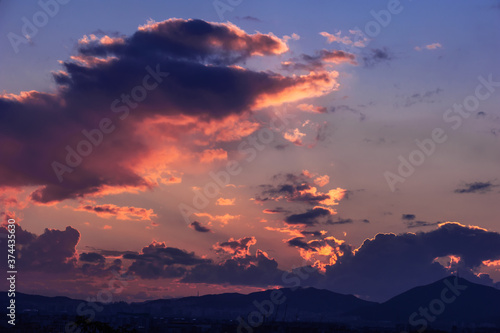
x: 213, y: 147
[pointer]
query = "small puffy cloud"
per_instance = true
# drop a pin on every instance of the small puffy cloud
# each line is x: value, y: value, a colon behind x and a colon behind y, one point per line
x: 476, y: 187
x: 118, y: 212
x: 375, y: 56
x: 222, y: 219
x: 310, y: 217
x: 312, y: 108
x: 294, y: 36
x: 276, y: 210
x: 199, y: 227
x: 322, y: 180
x: 294, y: 136
x: 355, y: 38
x: 340, y: 221
x: 432, y: 46
x: 210, y: 155
x: 408, y: 217
x: 321, y: 60
x: 236, y: 247
x: 225, y: 202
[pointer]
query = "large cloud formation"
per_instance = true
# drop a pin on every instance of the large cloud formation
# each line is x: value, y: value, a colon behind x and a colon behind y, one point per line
x: 389, y: 264
x: 380, y: 268
x: 175, y: 74
x: 54, y: 251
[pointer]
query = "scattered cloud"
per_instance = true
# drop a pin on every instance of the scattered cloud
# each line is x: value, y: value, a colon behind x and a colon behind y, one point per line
x: 120, y: 213
x: 355, y: 38
x: 376, y: 56
x: 476, y: 187
x: 199, y: 227
x: 408, y: 217
x: 433, y: 46
x: 225, y: 202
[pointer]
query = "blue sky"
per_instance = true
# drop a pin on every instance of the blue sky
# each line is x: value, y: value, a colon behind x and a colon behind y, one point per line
x: 398, y: 89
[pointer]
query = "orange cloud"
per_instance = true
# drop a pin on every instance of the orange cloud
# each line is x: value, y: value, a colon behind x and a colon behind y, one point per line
x: 322, y: 180
x: 238, y: 248
x: 323, y: 252
x: 335, y: 196
x: 222, y: 219
x: 295, y: 88
x: 294, y: 136
x: 491, y: 263
x: 311, y: 108
x: 225, y: 202
x: 287, y: 230
x: 210, y: 155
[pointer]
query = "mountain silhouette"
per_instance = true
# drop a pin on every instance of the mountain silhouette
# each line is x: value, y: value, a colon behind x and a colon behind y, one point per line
x: 449, y: 300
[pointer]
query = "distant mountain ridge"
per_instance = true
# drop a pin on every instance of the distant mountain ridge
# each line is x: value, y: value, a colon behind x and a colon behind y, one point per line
x: 449, y: 300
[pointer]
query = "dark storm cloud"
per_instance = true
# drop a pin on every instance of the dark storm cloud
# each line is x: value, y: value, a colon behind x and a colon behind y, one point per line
x: 237, y: 247
x: 389, y: 264
x: 290, y: 187
x: 188, y: 63
x: 198, y: 227
x: 300, y: 243
x: 193, y: 40
x: 92, y: 257
x: 159, y: 261
x: 54, y: 251
x: 100, y: 269
x: 311, y: 217
x: 258, y: 270
x: 476, y: 187
x: 380, y: 268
